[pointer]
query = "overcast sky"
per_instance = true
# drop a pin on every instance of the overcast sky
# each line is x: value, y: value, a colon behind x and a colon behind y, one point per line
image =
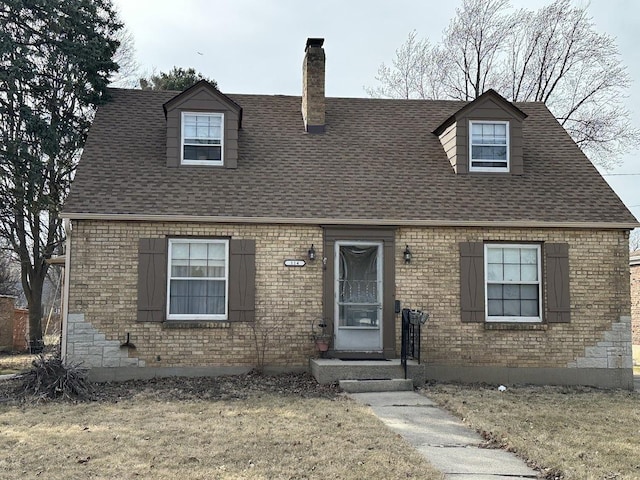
x: 257, y: 46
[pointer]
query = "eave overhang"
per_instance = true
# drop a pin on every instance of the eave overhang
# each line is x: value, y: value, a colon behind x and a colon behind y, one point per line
x: 133, y: 217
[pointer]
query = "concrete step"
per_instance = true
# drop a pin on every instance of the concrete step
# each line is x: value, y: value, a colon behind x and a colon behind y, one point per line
x: 377, y: 385
x: 330, y: 370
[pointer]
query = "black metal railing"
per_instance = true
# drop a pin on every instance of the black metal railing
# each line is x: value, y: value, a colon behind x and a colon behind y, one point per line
x: 412, y: 321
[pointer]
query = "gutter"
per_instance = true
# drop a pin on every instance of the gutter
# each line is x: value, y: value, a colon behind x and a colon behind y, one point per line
x: 132, y: 217
x: 65, y: 288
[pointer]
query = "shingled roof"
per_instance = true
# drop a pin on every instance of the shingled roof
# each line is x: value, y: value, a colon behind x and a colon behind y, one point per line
x: 378, y: 163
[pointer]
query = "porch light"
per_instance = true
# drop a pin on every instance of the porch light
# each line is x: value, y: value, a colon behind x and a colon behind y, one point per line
x: 407, y: 255
x: 312, y: 253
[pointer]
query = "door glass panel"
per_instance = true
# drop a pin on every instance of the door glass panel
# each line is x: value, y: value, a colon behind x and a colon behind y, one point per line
x: 358, y: 286
x: 358, y: 316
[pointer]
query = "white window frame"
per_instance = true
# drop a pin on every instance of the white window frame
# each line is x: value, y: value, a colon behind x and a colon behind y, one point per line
x: 225, y: 316
x: 470, y: 137
x: 182, y: 142
x: 513, y: 319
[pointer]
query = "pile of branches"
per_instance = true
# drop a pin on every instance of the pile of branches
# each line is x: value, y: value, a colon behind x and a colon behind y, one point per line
x: 50, y: 378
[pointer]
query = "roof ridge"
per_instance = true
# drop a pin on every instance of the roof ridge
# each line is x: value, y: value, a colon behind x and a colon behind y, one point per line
x: 285, y: 95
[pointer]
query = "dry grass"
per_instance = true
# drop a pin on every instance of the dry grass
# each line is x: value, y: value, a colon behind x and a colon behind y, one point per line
x: 569, y: 433
x: 261, y: 437
x: 15, y: 363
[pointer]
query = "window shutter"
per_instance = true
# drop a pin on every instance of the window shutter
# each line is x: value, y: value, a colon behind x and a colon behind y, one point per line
x: 152, y: 279
x: 557, y: 282
x: 242, y: 280
x: 472, y: 281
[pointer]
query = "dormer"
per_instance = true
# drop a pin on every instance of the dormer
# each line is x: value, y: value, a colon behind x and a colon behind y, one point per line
x: 484, y: 136
x: 202, y: 128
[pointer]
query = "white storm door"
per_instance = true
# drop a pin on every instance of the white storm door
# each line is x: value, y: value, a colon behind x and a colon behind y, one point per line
x: 358, y: 296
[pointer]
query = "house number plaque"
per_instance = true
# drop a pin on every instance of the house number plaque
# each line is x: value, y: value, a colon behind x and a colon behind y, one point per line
x: 294, y: 263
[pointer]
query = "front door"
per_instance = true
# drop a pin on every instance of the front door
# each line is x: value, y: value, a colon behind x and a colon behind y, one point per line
x: 358, y: 296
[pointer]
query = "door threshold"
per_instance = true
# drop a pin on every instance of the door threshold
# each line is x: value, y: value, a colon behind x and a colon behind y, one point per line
x: 358, y: 356
x: 363, y: 359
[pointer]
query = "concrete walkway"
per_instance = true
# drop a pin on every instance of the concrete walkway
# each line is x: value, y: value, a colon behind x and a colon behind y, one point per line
x: 445, y: 441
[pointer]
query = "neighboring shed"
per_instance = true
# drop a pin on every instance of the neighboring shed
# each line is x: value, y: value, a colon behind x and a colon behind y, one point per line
x: 634, y: 267
x: 13, y: 325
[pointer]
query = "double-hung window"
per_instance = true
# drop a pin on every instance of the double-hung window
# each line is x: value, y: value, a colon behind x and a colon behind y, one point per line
x: 512, y: 281
x: 198, y: 279
x: 202, y: 138
x: 488, y: 146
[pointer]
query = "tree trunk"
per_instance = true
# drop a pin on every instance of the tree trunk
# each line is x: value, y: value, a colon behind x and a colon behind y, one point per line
x: 36, y: 343
x: 33, y: 294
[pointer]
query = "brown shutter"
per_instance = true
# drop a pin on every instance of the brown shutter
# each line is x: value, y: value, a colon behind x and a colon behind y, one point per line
x: 152, y: 279
x: 472, y: 281
x: 557, y: 282
x: 242, y: 280
x: 174, y: 138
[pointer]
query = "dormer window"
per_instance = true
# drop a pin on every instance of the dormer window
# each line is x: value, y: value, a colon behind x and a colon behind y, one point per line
x: 202, y: 138
x: 202, y: 127
x: 489, y: 146
x: 474, y: 142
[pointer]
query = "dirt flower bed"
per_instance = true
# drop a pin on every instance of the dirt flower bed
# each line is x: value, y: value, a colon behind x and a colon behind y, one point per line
x: 218, y: 388
x: 198, y: 388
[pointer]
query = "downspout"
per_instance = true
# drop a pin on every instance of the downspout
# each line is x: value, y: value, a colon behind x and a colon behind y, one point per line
x: 65, y: 294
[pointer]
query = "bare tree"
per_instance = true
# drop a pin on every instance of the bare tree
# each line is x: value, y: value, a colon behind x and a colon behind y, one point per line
x: 9, y: 278
x: 471, y: 47
x: 413, y: 73
x: 553, y: 55
x: 128, y: 72
x: 578, y: 73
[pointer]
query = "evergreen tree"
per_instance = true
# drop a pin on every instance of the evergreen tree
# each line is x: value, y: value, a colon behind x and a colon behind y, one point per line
x: 55, y: 63
x: 177, y: 79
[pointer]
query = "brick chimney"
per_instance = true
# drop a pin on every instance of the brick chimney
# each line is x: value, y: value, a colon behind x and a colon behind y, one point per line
x: 313, y: 86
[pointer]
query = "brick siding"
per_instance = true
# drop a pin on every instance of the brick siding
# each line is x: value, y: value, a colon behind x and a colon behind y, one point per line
x: 103, y: 282
x: 6, y: 322
x: 20, y: 330
x: 14, y: 326
x: 598, y: 290
x: 103, y: 287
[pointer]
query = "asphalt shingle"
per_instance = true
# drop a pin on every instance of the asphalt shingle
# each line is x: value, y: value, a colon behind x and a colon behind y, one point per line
x: 377, y: 161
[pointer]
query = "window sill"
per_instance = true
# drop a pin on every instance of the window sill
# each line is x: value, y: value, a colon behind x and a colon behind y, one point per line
x: 202, y: 163
x: 178, y: 324
x: 483, y: 171
x: 514, y: 326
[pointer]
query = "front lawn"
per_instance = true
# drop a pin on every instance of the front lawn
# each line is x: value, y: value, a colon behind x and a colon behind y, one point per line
x: 202, y: 428
x: 10, y: 363
x: 571, y: 433
x: 261, y: 427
